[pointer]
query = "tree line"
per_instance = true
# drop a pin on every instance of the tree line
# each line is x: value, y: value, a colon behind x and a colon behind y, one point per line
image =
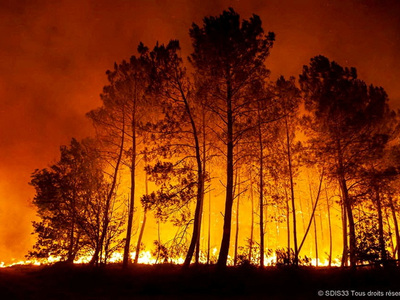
x: 179, y: 120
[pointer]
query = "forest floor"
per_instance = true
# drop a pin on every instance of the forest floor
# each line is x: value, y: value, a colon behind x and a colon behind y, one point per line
x: 202, y: 282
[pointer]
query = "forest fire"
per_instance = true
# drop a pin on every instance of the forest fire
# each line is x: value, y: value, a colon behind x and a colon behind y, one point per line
x: 116, y: 257
x: 147, y: 258
x: 224, y: 149
x: 308, y: 162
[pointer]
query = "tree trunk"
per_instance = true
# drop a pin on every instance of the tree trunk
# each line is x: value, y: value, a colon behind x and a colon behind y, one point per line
x: 289, y: 256
x: 261, y: 209
x: 200, y: 188
x: 197, y: 253
x: 347, y: 205
x: 144, y: 220
x: 77, y: 244
x: 99, y: 248
x: 330, y: 227
x: 313, y: 212
x: 390, y: 232
x: 380, y: 225
x: 396, y: 228
x: 226, y: 235
x: 196, y: 227
x: 261, y: 187
x: 321, y: 229
x: 71, y: 254
x: 316, y: 242
x: 126, y: 257
x: 209, y: 229
x: 139, y: 242
x: 315, y: 224
x: 352, y: 244
x: 296, y: 255
x: 345, y: 253
x: 237, y: 224
x: 159, y: 240
x: 252, y: 219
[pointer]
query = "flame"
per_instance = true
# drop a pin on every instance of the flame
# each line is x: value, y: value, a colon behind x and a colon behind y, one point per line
x: 146, y: 258
x: 22, y: 263
x: 325, y: 263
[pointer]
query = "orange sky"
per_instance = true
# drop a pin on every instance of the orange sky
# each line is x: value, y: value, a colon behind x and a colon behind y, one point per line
x: 54, y: 54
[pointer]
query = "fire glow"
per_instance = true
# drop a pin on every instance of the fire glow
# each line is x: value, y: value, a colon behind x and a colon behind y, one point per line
x: 146, y: 258
x: 285, y: 204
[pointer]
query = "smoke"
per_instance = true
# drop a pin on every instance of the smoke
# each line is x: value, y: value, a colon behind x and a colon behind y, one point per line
x: 54, y: 54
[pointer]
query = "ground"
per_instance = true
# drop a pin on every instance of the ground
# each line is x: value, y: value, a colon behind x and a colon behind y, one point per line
x: 203, y: 282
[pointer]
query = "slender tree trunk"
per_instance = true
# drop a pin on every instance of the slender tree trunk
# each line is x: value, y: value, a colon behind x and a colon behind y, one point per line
x: 292, y: 193
x: 97, y: 234
x: 380, y: 225
x: 347, y: 205
x: 126, y: 257
x: 330, y: 227
x: 390, y: 234
x: 106, y: 220
x: 99, y: 260
x: 345, y: 242
x: 77, y: 244
x: 226, y: 235
x: 71, y: 254
x: 289, y: 256
x: 252, y: 220
x: 316, y: 242
x: 321, y: 230
x: 350, y: 218
x: 209, y: 229
x: 261, y: 209
x: 197, y: 253
x: 139, y: 242
x: 196, y: 227
x: 106, y: 250
x: 396, y: 227
x: 159, y: 240
x: 315, y: 226
x: 200, y: 188
x: 261, y: 187
x: 277, y: 228
x: 313, y: 212
x: 237, y: 223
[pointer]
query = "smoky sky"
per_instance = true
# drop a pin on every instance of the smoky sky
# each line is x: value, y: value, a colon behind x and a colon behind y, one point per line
x: 54, y: 54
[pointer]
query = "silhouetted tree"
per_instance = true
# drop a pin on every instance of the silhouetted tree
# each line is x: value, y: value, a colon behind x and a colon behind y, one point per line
x: 278, y: 120
x: 177, y: 188
x: 343, y: 113
x: 123, y: 102
x: 394, y: 158
x: 228, y: 57
x: 110, y: 123
x: 378, y: 174
x: 289, y: 100
x: 259, y: 145
x: 71, y: 200
x: 179, y: 131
